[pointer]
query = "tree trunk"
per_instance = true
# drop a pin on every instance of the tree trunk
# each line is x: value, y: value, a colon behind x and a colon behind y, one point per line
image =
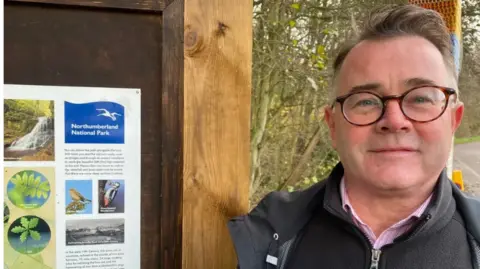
x: 269, y: 78
x: 299, y: 168
x: 257, y: 136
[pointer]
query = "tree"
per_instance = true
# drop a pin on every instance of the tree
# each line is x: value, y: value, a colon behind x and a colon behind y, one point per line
x: 469, y: 81
x: 294, y: 45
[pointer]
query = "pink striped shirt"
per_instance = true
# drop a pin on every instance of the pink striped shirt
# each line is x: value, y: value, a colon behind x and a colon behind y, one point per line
x: 387, y: 236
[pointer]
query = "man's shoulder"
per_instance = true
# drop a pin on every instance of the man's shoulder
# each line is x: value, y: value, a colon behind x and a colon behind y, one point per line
x: 469, y: 206
x: 286, y: 203
x: 279, y: 212
x: 473, y: 208
x: 284, y: 211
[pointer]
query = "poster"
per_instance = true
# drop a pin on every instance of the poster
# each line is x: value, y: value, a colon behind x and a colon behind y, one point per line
x: 71, y: 177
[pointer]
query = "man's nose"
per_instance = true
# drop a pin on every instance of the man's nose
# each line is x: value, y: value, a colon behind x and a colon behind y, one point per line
x: 393, y: 119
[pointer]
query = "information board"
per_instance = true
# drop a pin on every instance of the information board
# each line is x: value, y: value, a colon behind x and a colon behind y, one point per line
x: 72, y: 177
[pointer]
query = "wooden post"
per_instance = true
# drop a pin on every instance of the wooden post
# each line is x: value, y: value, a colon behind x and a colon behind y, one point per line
x: 192, y: 61
x: 205, y: 175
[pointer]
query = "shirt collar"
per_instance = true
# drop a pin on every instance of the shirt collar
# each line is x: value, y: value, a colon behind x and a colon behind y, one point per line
x: 346, y: 205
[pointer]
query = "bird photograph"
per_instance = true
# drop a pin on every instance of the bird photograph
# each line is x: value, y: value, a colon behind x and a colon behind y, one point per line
x: 79, y: 197
x: 111, y: 196
x: 76, y: 196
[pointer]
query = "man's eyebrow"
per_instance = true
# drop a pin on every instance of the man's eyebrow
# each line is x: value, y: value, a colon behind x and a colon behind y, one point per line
x: 364, y: 87
x: 409, y: 83
x: 413, y: 82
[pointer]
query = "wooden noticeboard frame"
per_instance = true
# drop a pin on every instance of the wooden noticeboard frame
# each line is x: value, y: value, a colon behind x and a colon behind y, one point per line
x: 192, y: 60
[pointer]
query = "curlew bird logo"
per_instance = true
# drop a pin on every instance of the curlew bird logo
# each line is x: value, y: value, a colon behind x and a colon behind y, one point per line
x: 107, y: 113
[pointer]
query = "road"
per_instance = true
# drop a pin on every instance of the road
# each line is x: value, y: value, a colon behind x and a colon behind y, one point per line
x: 467, y: 159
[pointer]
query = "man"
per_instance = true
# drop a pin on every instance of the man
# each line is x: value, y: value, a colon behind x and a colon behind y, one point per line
x: 389, y: 202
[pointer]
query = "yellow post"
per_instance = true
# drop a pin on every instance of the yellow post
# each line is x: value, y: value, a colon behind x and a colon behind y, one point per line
x: 458, y: 179
x: 451, y: 11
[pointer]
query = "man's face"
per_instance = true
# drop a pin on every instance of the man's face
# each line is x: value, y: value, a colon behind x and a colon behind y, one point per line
x: 394, y: 153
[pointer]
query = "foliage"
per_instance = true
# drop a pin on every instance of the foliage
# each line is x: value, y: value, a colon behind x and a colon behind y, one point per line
x: 29, y: 185
x: 466, y: 140
x: 295, y: 42
x: 6, y: 213
x: 74, y: 207
x: 18, y: 109
x: 22, y: 115
x: 27, y: 229
x: 470, y: 26
x: 469, y: 81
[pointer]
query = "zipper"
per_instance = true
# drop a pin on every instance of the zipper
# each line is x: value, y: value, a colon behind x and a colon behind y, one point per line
x: 419, y: 227
x: 376, y: 253
x: 284, y: 262
x: 375, y: 257
x: 272, y: 259
x: 414, y: 232
x: 374, y: 264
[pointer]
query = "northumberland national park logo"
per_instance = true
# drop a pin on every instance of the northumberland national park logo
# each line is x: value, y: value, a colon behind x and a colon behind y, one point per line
x: 94, y: 123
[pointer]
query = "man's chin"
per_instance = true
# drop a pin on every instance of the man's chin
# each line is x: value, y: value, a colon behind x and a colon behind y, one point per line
x: 397, y: 186
x: 397, y: 178
x: 392, y: 165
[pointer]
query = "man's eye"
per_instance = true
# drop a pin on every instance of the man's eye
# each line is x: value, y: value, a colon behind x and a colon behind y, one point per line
x: 367, y: 102
x: 420, y: 100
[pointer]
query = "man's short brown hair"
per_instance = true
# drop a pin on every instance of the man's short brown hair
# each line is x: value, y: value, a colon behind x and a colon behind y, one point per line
x: 400, y: 20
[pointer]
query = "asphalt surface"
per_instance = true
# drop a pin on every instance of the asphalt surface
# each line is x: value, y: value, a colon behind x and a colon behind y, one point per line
x: 466, y: 157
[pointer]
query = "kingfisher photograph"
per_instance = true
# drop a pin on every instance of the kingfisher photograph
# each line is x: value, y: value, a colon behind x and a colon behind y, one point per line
x: 29, y: 130
x: 111, y: 196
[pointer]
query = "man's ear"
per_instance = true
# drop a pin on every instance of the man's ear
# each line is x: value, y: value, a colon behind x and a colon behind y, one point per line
x: 329, y: 119
x: 457, y: 115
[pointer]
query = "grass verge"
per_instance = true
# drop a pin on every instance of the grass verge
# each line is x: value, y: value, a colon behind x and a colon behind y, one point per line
x: 465, y: 140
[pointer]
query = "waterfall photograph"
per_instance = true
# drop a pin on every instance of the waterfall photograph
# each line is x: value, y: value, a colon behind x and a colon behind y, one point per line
x: 28, y: 130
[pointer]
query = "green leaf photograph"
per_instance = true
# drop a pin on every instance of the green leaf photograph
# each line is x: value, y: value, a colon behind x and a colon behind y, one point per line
x: 29, y: 235
x: 28, y: 189
x: 6, y: 213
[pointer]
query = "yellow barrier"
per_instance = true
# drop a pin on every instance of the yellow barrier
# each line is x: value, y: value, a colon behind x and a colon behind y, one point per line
x: 451, y: 12
x: 457, y: 178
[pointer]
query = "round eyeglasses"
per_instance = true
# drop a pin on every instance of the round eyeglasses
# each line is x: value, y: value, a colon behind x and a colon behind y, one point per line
x: 420, y: 104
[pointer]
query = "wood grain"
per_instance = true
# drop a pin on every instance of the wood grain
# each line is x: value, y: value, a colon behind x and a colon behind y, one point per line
x: 217, y: 89
x: 80, y: 47
x: 144, y: 5
x: 194, y: 70
x: 172, y: 142
x: 166, y: 3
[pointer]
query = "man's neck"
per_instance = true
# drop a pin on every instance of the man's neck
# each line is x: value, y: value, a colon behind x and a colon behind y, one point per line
x: 382, y: 210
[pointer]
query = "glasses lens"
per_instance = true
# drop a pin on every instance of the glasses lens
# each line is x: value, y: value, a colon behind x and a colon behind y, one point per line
x: 362, y: 108
x: 424, y: 104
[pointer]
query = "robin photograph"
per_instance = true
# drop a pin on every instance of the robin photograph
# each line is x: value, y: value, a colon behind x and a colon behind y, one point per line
x: 78, y: 197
